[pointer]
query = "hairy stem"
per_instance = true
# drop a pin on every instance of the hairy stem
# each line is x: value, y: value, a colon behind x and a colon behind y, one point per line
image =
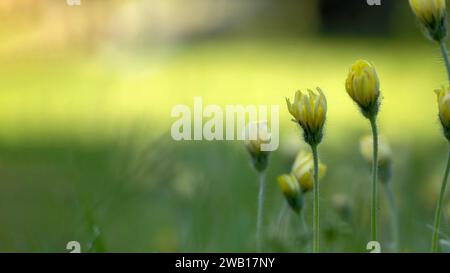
x: 437, y: 216
x: 316, y: 200
x: 259, y: 220
x: 444, y: 52
x: 303, y: 223
x: 305, y: 230
x: 281, y: 215
x: 374, y: 211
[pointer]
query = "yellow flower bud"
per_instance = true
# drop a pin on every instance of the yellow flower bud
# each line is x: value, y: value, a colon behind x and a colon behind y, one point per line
x: 432, y: 15
x: 443, y: 97
x: 384, y: 156
x: 291, y: 190
x: 363, y: 87
x: 303, y: 170
x: 310, y: 112
x: 253, y: 144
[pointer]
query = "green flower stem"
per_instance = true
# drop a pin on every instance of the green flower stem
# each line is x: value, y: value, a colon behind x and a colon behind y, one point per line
x: 303, y: 223
x: 281, y: 215
x: 444, y: 52
x: 305, y: 231
x: 437, y: 217
x: 259, y: 220
x: 316, y: 200
x: 282, y: 221
x: 393, y: 215
x: 373, y: 123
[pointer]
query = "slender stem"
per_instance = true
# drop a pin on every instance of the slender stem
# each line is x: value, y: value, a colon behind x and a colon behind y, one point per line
x: 304, y: 228
x: 281, y: 215
x: 281, y: 223
x: 259, y: 220
x: 316, y: 200
x: 393, y: 215
x: 287, y: 226
x: 303, y: 223
x: 437, y: 216
x: 373, y: 123
x: 444, y: 52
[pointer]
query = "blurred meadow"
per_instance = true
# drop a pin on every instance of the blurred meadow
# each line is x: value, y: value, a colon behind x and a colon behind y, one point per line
x: 85, y: 99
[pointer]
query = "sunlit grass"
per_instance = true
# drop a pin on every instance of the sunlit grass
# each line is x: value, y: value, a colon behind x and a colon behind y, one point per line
x: 96, y: 95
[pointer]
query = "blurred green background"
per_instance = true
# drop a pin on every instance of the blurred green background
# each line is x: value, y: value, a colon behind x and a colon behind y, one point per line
x: 85, y: 99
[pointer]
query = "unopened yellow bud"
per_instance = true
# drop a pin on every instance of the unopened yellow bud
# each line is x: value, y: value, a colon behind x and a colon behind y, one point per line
x: 291, y: 190
x: 432, y: 15
x: 303, y: 170
x: 363, y: 86
x: 310, y: 112
x: 443, y: 98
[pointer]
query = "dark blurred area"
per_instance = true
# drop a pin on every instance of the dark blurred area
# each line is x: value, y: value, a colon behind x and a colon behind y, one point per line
x: 354, y: 17
x: 145, y: 23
